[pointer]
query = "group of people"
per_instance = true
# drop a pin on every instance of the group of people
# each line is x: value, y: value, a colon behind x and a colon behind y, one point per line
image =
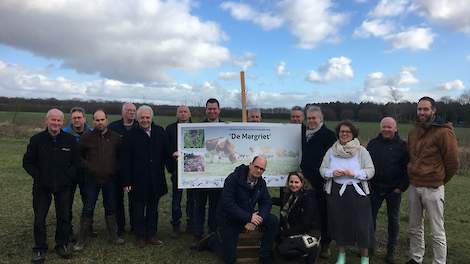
x: 334, y: 196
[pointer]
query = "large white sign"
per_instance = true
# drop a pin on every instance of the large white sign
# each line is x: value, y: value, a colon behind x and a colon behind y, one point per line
x: 209, y: 152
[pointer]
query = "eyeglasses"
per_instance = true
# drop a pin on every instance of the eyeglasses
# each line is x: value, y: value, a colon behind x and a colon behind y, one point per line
x: 259, y: 168
x: 345, y: 131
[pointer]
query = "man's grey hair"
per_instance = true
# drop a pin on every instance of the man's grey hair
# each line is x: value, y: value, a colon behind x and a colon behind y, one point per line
x: 49, y: 113
x: 314, y: 109
x: 144, y: 108
x: 254, y: 110
x: 125, y: 105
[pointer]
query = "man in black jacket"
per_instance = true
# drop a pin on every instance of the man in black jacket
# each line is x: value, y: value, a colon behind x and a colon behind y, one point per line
x: 243, y: 189
x: 390, y: 157
x: 183, y: 115
x: 121, y: 126
x: 145, y: 153
x: 208, y: 195
x: 52, y: 160
x: 316, y: 140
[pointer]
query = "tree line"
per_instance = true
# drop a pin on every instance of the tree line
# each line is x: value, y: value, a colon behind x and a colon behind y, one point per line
x: 456, y: 111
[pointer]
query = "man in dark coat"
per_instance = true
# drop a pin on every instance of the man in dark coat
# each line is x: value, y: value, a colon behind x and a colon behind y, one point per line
x: 99, y: 151
x: 316, y: 140
x: 243, y: 189
x: 52, y: 160
x: 390, y: 156
x: 121, y: 126
x: 183, y: 115
x: 145, y: 152
x: 208, y: 195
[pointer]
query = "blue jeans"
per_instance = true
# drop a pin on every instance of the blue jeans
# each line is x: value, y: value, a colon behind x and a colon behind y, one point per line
x: 92, y: 190
x: 177, y: 195
x: 224, y: 244
x: 200, y: 199
x: 393, y: 201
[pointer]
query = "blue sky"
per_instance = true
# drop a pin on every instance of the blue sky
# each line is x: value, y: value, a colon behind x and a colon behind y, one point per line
x: 183, y: 52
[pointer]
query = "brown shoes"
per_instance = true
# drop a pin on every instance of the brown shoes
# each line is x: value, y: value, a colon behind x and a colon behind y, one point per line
x: 140, y: 243
x: 154, y: 241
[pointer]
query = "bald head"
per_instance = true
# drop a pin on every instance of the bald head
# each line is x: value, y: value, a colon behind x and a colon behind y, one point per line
x: 183, y: 114
x: 388, y: 127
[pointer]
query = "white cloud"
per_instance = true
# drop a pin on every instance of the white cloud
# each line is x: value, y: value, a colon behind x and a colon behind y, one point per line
x: 336, y: 68
x: 375, y: 28
x: 134, y: 42
x: 452, y: 13
x: 281, y: 70
x: 452, y: 85
x: 312, y: 21
x: 228, y: 75
x: 413, y: 39
x: 17, y: 81
x: 389, y: 8
x: 381, y: 88
x: 245, y: 12
x: 309, y: 29
x: 245, y: 61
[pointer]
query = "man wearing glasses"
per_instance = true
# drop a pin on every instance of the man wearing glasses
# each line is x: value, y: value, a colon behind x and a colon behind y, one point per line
x: 243, y: 189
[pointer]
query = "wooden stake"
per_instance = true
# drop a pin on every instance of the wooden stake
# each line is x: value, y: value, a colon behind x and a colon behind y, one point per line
x: 243, y: 93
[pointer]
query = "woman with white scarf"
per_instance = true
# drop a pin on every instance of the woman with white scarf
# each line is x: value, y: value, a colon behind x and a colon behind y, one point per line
x: 346, y: 167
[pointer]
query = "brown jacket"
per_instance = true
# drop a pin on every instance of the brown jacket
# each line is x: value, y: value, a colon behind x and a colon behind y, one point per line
x: 433, y: 154
x: 99, y: 155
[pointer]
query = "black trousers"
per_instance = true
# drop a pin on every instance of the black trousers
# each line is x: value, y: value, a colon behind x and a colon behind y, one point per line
x: 322, y: 208
x: 42, y: 198
x: 393, y: 201
x: 146, y: 218
x: 73, y: 189
x: 119, y: 208
x: 201, y: 196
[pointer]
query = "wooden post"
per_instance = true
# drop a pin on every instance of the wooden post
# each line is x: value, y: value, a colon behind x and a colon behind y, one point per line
x: 243, y: 94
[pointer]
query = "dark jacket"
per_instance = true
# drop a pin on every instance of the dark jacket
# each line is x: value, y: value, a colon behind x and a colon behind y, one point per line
x: 303, y: 218
x: 238, y: 199
x: 390, y: 157
x: 172, y: 132
x: 52, y: 162
x: 313, y: 152
x: 434, y: 156
x: 118, y: 126
x: 143, y: 161
x: 100, y: 155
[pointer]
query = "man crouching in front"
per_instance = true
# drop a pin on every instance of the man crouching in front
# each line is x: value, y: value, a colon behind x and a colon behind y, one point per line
x: 243, y: 189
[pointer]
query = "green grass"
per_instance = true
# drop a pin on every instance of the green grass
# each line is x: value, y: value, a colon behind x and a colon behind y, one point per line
x: 16, y: 215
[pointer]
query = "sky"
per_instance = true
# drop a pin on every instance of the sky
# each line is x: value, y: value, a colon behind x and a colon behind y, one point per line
x: 293, y: 52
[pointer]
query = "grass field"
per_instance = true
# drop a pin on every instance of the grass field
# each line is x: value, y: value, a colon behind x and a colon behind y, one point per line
x: 16, y: 214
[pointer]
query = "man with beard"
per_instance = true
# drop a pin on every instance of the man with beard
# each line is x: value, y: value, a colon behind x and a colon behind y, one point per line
x: 316, y: 140
x: 99, y: 150
x: 433, y: 161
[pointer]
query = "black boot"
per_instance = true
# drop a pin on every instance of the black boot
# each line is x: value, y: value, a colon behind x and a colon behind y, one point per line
x: 111, y: 225
x: 85, y: 223
x: 390, y: 257
x: 176, y: 231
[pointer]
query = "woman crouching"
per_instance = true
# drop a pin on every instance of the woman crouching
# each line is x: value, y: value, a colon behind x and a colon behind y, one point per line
x: 299, y: 222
